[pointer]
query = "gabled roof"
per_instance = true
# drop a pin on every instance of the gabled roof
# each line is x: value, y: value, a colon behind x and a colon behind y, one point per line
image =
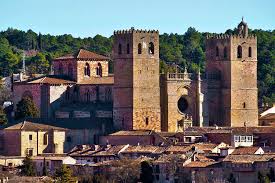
x: 132, y: 133
x: 50, y: 80
x: 248, y: 158
x: 245, y: 150
x: 29, y: 126
x: 83, y: 55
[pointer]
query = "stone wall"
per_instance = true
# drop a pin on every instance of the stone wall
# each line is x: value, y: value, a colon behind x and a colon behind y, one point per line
x: 136, y: 87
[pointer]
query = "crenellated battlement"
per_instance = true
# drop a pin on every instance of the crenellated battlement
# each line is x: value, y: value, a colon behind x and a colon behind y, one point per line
x: 228, y: 36
x: 133, y: 30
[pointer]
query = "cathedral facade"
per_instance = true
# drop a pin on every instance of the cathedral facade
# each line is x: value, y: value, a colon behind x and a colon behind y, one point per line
x: 138, y: 97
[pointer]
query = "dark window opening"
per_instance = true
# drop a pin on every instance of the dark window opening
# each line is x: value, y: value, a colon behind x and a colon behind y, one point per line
x: 69, y: 139
x: 30, y: 137
x: 30, y: 152
x: 128, y: 49
x: 225, y: 52
x: 244, y: 105
x: 87, y: 95
x: 119, y: 49
x: 147, y: 120
x: 99, y: 70
x: 87, y: 70
x: 45, y: 139
x: 217, y: 52
x: 182, y: 104
x: 139, y: 48
x: 249, y: 52
x: 151, y: 48
x: 239, y: 52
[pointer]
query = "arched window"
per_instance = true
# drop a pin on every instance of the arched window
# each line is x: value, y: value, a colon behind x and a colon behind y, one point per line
x: 151, y: 48
x: 119, y: 49
x: 249, y: 52
x: 139, y: 48
x: 70, y: 70
x: 239, y: 52
x: 244, y: 105
x: 99, y: 70
x: 128, y: 48
x: 87, y: 70
x: 225, y: 52
x: 60, y: 69
x: 217, y: 52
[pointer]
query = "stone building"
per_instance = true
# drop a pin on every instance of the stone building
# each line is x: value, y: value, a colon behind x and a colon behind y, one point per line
x: 231, y: 65
x: 138, y: 97
x: 31, y: 139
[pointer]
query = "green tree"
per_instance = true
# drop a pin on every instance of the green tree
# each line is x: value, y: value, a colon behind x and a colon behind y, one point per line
x: 26, y: 109
x: 3, y: 117
x: 64, y: 175
x: 146, y: 175
x: 263, y: 178
x: 28, y: 169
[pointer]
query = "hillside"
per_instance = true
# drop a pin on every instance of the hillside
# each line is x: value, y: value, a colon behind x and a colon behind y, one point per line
x: 184, y: 50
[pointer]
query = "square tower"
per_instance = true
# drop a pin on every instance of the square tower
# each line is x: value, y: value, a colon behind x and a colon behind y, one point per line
x: 136, y: 80
x: 231, y: 68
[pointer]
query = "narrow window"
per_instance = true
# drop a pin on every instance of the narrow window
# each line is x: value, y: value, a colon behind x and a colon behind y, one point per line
x: 128, y: 49
x: 87, y: 70
x: 45, y: 139
x: 139, y: 48
x: 60, y: 69
x: 249, y: 52
x: 239, y: 52
x: 30, y: 137
x: 87, y: 96
x: 151, y: 48
x: 244, y: 105
x: 119, y: 49
x: 146, y: 120
x: 99, y: 70
x: 217, y: 52
x: 30, y: 152
x: 225, y: 52
x: 68, y: 93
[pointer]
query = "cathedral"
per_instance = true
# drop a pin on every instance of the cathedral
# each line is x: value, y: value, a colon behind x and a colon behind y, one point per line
x: 137, y: 97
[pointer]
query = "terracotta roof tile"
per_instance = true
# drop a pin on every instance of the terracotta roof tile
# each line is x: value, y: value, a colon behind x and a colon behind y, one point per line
x: 144, y: 149
x: 178, y: 149
x: 83, y: 55
x: 50, y: 80
x: 29, y: 126
x: 245, y: 150
x: 248, y: 158
x: 201, y: 164
x: 132, y: 133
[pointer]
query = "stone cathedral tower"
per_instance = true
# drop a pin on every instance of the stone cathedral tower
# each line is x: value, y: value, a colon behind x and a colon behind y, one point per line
x: 232, y: 78
x: 136, y: 80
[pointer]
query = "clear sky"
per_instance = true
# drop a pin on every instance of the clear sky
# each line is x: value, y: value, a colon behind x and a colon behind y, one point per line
x: 83, y: 18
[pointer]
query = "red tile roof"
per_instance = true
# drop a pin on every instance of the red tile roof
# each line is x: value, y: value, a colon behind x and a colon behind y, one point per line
x: 29, y: 126
x: 245, y: 150
x: 200, y: 164
x: 50, y: 80
x: 83, y: 55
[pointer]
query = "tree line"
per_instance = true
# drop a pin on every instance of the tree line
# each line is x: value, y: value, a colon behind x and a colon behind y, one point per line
x: 186, y: 50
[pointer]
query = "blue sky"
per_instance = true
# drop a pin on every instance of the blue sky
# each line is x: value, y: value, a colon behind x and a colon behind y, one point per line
x: 83, y: 18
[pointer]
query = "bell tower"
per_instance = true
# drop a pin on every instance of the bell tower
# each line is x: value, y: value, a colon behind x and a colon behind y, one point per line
x: 136, y: 80
x: 231, y: 68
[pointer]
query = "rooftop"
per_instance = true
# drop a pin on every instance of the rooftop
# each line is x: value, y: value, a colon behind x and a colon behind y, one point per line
x: 51, y: 80
x: 83, y: 55
x: 245, y: 150
x: 29, y: 126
